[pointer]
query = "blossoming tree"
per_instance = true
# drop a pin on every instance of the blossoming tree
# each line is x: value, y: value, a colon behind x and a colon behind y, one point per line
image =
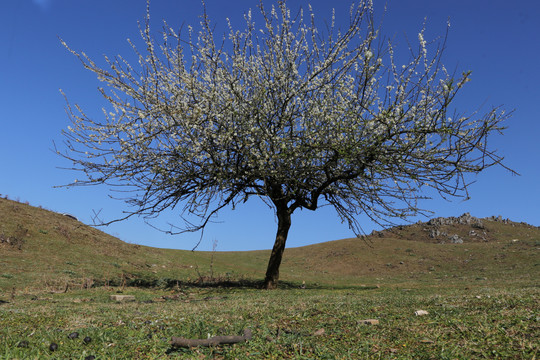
x: 296, y: 116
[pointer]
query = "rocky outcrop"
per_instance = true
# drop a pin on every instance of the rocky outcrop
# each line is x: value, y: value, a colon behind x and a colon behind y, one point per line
x: 434, y: 228
x: 449, y: 230
x: 498, y: 219
x: 465, y: 219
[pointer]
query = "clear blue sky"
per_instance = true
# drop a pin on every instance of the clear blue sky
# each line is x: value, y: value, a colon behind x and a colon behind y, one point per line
x: 495, y: 39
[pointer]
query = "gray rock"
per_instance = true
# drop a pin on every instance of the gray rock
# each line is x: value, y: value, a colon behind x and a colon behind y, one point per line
x: 70, y: 216
x: 455, y: 239
x: 465, y: 219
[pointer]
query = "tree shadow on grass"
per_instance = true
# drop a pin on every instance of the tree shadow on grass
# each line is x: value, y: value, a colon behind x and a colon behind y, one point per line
x: 170, y: 283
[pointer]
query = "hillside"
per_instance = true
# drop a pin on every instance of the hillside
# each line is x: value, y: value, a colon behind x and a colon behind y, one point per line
x: 46, y: 250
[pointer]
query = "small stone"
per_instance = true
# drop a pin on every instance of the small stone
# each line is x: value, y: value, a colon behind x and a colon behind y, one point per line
x: 87, y: 340
x: 53, y: 346
x: 369, y: 322
x: 421, y: 313
x: 122, y: 298
x: 73, y: 335
x: 319, y: 332
x: 427, y: 341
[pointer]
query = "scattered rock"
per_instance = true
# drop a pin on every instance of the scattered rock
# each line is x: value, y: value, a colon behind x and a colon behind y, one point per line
x: 369, y: 322
x: 70, y: 216
x: 498, y: 219
x: 455, y: 239
x: 87, y: 340
x: 465, y: 219
x: 421, y: 313
x: 434, y: 233
x: 122, y: 298
x: 53, y: 346
x: 378, y: 233
x: 319, y: 332
x: 73, y: 335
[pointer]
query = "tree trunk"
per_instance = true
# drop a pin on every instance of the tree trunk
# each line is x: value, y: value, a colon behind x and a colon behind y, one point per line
x: 284, y: 223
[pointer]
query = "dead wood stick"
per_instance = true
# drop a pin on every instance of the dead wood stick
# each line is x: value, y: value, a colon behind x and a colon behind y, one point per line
x: 213, y: 341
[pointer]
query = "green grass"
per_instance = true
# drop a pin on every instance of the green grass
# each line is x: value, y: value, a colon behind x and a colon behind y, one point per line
x: 478, y: 322
x: 56, y: 277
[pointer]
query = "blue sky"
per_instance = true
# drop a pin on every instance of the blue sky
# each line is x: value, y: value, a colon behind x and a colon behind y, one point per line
x: 495, y: 39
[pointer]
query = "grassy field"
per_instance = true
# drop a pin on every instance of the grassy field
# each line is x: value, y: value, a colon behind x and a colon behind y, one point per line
x: 57, y: 276
x: 473, y: 323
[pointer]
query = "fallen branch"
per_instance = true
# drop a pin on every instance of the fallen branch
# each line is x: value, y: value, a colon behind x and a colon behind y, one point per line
x: 213, y: 341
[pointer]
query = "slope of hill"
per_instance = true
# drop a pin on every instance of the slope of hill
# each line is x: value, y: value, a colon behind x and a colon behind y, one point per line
x: 43, y: 249
x: 440, y: 250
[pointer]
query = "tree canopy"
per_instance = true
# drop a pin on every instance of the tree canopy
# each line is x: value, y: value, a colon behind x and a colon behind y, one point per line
x: 282, y: 110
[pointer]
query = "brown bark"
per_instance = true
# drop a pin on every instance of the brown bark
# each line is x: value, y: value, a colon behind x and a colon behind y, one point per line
x: 213, y: 341
x: 284, y: 224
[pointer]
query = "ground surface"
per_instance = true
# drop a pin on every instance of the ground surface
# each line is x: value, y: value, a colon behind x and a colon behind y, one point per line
x: 462, y: 323
x: 481, y: 296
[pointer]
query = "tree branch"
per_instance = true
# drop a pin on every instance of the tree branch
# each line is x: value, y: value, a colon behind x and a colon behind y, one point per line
x: 213, y: 341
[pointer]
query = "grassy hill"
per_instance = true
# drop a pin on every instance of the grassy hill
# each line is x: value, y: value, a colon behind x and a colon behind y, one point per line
x: 477, y: 280
x: 46, y: 250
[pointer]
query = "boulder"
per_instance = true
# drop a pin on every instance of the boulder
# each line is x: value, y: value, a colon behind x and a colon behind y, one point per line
x: 455, y: 239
